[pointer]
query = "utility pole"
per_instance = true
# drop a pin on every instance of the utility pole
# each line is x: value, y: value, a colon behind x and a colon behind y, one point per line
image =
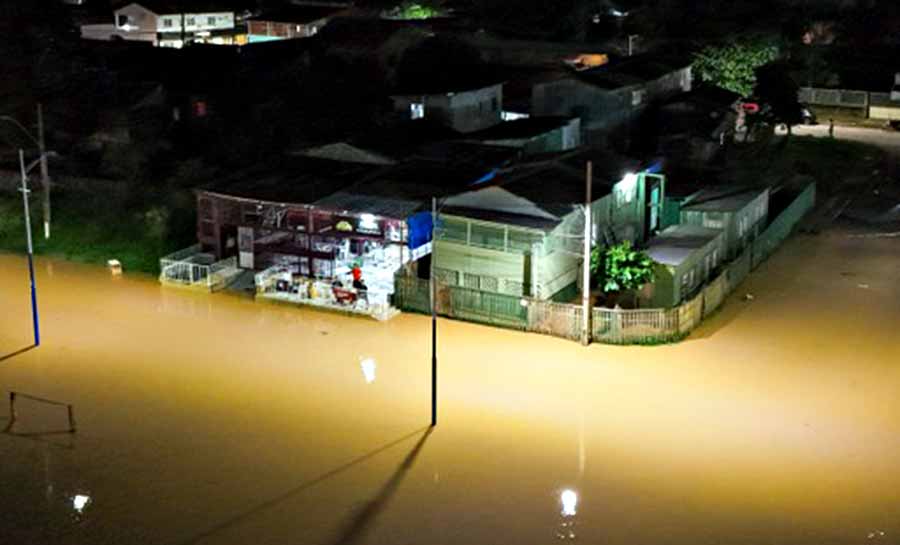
x: 586, y: 279
x: 433, y: 296
x: 25, y: 191
x: 45, y: 175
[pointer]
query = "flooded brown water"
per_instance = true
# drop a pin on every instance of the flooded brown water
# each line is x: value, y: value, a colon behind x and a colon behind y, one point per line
x: 214, y: 419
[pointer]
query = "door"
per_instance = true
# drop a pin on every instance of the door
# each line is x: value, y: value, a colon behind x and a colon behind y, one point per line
x: 245, y: 247
x: 653, y: 207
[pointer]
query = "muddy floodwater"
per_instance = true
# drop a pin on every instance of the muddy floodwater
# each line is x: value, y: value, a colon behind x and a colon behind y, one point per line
x: 216, y: 420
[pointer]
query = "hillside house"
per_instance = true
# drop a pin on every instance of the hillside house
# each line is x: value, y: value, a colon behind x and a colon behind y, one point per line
x: 166, y: 23
x: 465, y: 107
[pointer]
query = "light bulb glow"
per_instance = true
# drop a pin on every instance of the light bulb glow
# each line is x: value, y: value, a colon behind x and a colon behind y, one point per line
x: 569, y: 501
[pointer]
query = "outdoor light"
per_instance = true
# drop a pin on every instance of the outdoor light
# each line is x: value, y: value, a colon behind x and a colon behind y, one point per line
x: 523, y: 302
x: 629, y: 181
x: 368, y: 369
x: 569, y: 500
x: 367, y: 221
x: 80, y: 501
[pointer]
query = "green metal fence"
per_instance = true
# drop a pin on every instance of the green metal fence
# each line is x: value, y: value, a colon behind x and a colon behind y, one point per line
x: 777, y: 231
x: 412, y: 294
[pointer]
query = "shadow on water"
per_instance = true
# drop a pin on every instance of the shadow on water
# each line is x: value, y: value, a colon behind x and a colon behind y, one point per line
x: 17, y: 353
x: 359, y: 522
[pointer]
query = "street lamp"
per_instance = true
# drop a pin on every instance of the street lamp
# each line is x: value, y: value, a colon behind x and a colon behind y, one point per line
x: 432, y: 297
x: 45, y: 175
x: 25, y: 191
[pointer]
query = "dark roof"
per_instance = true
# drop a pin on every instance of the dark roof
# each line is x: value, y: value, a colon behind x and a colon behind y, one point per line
x: 296, y: 180
x: 404, y: 139
x: 298, y: 14
x: 161, y: 7
x: 366, y: 35
x: 473, y: 154
x: 521, y: 128
x: 722, y: 199
x: 440, y: 82
x: 399, y: 191
x: 555, y: 187
x: 632, y: 71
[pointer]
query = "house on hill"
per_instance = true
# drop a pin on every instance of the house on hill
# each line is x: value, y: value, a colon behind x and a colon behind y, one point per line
x: 167, y: 23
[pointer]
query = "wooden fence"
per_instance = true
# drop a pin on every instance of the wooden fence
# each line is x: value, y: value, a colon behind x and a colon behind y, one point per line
x: 610, y: 326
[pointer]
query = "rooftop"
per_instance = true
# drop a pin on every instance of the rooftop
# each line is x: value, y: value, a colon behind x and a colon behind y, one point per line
x: 295, y: 180
x: 722, y: 199
x: 299, y: 14
x: 162, y: 7
x: 539, y: 194
x: 675, y: 244
x: 402, y: 190
x: 521, y: 128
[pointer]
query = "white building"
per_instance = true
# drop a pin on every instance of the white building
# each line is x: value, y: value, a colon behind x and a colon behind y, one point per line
x: 163, y: 24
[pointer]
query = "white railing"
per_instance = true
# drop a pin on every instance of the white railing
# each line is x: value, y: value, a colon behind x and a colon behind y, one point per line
x: 191, y: 267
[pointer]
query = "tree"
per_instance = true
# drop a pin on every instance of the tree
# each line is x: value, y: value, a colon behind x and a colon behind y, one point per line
x: 621, y: 267
x: 778, y: 90
x: 733, y: 66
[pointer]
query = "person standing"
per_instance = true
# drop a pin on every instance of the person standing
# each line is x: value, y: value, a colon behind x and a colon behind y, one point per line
x: 830, y: 128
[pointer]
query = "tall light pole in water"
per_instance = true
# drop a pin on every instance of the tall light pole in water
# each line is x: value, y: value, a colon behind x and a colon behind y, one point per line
x: 25, y: 191
x: 432, y: 293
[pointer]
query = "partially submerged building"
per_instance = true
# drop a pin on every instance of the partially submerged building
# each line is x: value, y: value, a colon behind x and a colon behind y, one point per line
x: 686, y: 257
x: 740, y: 213
x: 521, y: 232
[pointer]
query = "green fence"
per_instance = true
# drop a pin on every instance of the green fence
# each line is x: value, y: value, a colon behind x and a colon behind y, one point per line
x: 781, y: 228
x: 412, y: 294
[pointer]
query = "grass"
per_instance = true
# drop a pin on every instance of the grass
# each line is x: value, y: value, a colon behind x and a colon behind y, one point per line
x: 136, y: 227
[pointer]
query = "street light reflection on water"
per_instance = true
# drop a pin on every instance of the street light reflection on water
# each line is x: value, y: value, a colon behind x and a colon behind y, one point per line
x: 368, y: 368
x: 79, y: 502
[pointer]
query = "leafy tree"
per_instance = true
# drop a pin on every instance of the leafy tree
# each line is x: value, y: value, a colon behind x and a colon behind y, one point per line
x: 733, y: 66
x: 621, y: 267
x: 778, y: 90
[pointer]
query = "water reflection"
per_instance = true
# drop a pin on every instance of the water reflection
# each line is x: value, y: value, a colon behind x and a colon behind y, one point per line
x: 79, y: 502
x: 569, y: 501
x: 368, y: 368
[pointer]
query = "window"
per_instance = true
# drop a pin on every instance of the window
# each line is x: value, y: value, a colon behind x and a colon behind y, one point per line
x: 122, y: 20
x: 211, y: 21
x: 416, y: 110
x: 514, y: 288
x: 489, y: 283
x: 446, y: 277
x: 471, y: 281
x: 167, y: 23
x: 624, y: 195
x: 452, y: 230
x: 488, y: 237
x: 191, y: 21
x: 494, y: 104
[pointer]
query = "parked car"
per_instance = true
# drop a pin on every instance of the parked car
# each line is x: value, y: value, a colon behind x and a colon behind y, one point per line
x: 807, y: 116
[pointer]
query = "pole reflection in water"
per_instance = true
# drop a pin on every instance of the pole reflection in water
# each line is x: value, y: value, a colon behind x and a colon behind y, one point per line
x: 569, y: 501
x: 368, y: 368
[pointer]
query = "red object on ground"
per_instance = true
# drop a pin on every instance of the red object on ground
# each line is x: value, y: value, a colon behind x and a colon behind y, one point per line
x: 344, y: 296
x: 751, y: 107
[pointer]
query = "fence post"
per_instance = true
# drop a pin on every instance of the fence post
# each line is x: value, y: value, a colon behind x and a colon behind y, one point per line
x: 71, y: 419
